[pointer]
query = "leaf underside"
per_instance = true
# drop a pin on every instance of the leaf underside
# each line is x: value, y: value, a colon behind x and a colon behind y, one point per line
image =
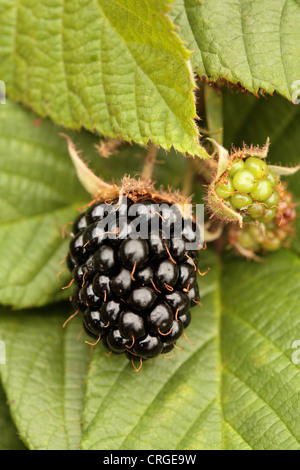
x: 252, y: 43
x: 115, y: 67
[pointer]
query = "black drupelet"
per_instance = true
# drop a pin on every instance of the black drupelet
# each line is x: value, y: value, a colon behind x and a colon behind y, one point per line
x: 134, y: 293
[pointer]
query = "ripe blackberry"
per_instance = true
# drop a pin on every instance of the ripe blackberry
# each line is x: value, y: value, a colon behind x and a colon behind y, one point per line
x: 135, y: 292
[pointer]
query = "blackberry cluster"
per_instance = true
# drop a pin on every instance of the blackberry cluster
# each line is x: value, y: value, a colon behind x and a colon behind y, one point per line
x: 269, y: 236
x: 134, y: 293
x: 250, y: 188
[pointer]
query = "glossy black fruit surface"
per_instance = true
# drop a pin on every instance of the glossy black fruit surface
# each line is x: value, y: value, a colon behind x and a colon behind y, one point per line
x: 148, y: 347
x: 160, y: 318
x: 104, y: 259
x: 166, y: 274
x: 134, y: 292
x: 142, y: 298
x: 134, y: 252
x: 179, y: 302
x: 131, y: 325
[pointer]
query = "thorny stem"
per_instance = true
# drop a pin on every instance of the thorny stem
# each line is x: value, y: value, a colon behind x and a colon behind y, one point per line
x: 214, y: 112
x: 147, y: 172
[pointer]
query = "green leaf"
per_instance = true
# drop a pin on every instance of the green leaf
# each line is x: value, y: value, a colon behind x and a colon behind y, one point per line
x: 155, y: 409
x: 260, y: 382
x: 9, y: 439
x: 44, y: 376
x: 274, y: 118
x: 116, y: 67
x: 40, y: 194
x: 252, y: 43
x: 236, y: 388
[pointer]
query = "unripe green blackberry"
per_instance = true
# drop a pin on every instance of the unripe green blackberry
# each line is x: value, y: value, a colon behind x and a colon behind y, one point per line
x: 267, y: 236
x: 249, y: 188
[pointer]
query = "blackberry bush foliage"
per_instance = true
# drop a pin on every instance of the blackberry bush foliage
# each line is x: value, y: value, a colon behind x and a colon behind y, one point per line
x: 270, y: 235
x: 248, y: 194
x: 250, y: 188
x: 134, y: 263
x: 134, y: 83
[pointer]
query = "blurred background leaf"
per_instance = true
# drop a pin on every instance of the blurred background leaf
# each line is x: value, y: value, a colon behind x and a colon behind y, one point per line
x: 9, y: 439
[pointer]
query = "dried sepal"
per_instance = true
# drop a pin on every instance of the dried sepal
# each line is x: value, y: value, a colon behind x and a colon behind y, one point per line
x: 223, y: 158
x: 217, y: 206
x: 108, y: 146
x: 249, y: 254
x: 211, y: 235
x: 255, y: 151
x: 219, y: 209
x: 284, y: 171
x: 135, y: 189
x: 92, y: 183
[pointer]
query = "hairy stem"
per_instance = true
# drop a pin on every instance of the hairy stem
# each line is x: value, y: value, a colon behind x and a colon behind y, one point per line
x: 148, y: 169
x: 188, y: 181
